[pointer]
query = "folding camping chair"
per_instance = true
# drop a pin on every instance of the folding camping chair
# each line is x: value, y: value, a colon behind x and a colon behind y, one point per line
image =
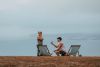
x: 74, y: 50
x: 43, y: 50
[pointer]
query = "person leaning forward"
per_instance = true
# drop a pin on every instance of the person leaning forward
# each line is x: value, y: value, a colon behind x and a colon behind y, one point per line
x: 60, y: 49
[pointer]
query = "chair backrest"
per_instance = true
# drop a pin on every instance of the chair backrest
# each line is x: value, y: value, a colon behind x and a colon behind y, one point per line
x: 43, y: 50
x: 74, y: 49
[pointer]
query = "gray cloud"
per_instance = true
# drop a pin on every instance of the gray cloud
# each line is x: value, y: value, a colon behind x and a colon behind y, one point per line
x: 20, y: 18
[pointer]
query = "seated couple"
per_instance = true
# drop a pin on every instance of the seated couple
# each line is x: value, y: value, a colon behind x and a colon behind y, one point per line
x: 60, y: 49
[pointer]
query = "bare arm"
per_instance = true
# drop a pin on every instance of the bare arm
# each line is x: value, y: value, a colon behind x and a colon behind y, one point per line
x: 54, y: 44
x: 59, y: 47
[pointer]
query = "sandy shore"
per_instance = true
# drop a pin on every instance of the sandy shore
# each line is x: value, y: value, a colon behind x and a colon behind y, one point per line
x: 29, y: 61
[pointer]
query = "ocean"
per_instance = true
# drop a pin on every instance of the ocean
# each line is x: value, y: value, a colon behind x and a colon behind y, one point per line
x: 90, y: 44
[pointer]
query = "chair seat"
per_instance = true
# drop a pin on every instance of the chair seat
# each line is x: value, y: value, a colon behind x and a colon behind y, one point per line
x: 43, y: 50
x: 74, y: 50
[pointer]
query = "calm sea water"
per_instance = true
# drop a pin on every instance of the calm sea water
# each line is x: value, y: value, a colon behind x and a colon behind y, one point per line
x: 90, y: 45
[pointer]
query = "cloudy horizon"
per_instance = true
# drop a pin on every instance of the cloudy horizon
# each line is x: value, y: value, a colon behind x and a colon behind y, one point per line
x: 77, y: 21
x: 21, y: 18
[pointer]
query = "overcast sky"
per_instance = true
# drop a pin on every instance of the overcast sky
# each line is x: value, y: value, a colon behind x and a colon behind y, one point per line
x: 21, y: 18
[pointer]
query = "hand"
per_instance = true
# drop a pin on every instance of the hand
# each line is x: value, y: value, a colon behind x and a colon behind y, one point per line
x: 52, y: 43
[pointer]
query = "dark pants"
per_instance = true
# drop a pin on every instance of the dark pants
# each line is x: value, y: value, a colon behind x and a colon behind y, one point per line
x: 63, y: 53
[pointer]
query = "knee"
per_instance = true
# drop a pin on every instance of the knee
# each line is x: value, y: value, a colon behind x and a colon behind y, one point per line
x: 57, y: 52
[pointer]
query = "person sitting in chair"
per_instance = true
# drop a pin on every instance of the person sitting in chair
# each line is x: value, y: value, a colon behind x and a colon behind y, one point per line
x: 59, y: 47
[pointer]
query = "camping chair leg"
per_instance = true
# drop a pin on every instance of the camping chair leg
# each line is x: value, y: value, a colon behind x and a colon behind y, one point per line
x: 78, y: 53
x: 48, y: 51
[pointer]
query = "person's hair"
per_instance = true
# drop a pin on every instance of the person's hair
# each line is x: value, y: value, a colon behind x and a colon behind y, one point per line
x: 59, y: 38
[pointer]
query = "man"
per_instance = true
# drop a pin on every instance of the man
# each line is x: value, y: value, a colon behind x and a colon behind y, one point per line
x: 60, y: 47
